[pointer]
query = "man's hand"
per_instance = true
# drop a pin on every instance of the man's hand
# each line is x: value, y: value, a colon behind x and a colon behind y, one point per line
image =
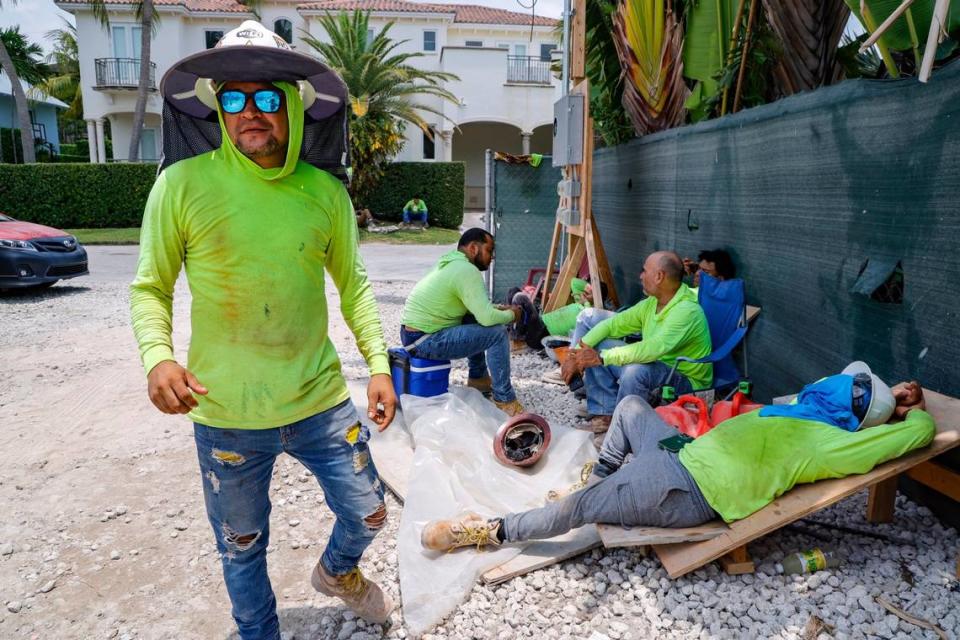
x: 587, y: 357
x: 381, y: 400
x: 517, y: 312
x: 569, y: 369
x: 690, y: 267
x: 909, y: 395
x: 171, y: 388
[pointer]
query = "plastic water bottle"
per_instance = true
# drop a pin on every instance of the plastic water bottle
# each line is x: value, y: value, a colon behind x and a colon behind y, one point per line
x: 809, y: 561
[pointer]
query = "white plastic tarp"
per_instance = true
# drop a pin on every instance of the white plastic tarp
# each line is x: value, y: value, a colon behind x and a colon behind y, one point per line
x: 454, y: 470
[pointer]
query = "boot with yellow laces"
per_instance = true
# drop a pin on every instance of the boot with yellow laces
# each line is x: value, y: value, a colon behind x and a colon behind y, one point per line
x: 364, y: 597
x: 467, y: 530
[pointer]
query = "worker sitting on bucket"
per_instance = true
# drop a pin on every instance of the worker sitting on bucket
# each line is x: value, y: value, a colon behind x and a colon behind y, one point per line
x: 672, y: 324
x: 737, y: 468
x: 448, y: 315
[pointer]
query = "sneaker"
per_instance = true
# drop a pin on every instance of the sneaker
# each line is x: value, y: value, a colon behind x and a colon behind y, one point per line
x: 483, y: 385
x: 553, y: 377
x: 596, y: 424
x: 468, y: 529
x: 364, y: 597
x: 511, y: 408
x: 556, y: 494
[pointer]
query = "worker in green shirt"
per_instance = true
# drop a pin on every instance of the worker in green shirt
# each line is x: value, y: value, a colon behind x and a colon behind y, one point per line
x: 415, y: 208
x: 672, y: 324
x: 732, y: 471
x: 448, y: 315
x: 257, y: 228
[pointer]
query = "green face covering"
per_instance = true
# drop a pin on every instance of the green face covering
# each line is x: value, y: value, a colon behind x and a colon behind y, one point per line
x: 295, y: 120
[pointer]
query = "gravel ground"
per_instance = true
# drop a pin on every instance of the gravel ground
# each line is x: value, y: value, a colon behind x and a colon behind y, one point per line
x: 106, y: 536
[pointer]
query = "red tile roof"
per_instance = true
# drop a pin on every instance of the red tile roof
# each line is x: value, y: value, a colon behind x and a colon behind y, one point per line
x: 468, y: 13
x: 218, y: 6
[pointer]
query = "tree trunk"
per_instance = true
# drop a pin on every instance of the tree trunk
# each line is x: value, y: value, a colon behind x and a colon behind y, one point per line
x: 23, y: 110
x: 146, y: 20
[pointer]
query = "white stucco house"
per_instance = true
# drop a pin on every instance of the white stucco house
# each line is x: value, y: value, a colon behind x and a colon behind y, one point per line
x: 43, y: 116
x: 502, y: 58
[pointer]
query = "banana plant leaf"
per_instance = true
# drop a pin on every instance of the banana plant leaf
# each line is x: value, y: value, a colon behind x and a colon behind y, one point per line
x: 897, y: 37
x: 649, y: 44
x: 705, y: 46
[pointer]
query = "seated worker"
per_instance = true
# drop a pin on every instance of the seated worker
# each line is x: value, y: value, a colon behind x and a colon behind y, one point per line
x: 364, y: 217
x: 436, y: 325
x: 716, y: 263
x: 535, y: 325
x: 734, y: 470
x: 416, y: 208
x: 672, y: 324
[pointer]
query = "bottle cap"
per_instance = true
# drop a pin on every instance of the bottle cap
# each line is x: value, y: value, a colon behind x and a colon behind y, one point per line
x: 668, y: 393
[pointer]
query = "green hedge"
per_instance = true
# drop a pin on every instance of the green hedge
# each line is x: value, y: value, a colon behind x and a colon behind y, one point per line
x: 440, y: 184
x: 76, y: 195
x: 79, y: 196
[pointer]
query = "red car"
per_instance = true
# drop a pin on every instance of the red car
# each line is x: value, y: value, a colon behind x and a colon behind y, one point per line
x: 33, y: 255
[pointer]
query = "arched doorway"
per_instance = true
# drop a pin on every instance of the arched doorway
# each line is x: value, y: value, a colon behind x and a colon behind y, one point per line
x: 469, y: 145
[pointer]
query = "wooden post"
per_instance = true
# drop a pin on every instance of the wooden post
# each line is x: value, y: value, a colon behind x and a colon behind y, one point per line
x: 880, y: 502
x: 737, y: 561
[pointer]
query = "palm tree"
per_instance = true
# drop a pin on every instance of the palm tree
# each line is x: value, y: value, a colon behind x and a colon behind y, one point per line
x: 64, y: 84
x: 383, y: 88
x: 20, y: 100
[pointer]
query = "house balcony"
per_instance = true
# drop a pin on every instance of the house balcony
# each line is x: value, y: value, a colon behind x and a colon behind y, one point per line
x: 121, y: 73
x: 528, y: 70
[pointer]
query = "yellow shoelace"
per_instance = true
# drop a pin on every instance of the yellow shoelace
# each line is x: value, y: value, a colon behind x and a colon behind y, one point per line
x: 479, y: 536
x: 352, y: 582
x: 553, y: 494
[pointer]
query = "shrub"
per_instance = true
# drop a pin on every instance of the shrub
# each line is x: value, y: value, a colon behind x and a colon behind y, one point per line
x: 76, y: 195
x: 440, y: 184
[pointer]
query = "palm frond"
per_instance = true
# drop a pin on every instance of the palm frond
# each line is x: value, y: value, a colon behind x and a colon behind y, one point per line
x: 809, y: 31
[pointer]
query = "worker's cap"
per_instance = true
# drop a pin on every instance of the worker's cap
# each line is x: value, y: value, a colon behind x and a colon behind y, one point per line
x: 882, y: 402
x: 251, y: 53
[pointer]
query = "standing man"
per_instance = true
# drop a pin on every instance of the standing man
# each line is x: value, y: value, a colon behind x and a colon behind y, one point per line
x: 256, y: 227
x: 672, y: 324
x: 416, y: 208
x: 449, y: 316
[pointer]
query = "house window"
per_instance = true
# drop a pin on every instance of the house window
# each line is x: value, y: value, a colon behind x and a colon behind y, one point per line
x: 284, y: 28
x: 520, y: 50
x: 474, y: 43
x: 125, y: 40
x: 503, y: 45
x: 429, y: 40
x: 369, y: 37
x: 545, y: 50
x: 148, y: 144
x: 212, y: 37
x: 429, y: 150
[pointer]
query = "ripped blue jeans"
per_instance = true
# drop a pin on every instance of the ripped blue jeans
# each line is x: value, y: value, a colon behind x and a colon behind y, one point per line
x: 236, y: 467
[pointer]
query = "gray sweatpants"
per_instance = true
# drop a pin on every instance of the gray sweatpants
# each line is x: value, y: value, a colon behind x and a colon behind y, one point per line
x: 651, y: 489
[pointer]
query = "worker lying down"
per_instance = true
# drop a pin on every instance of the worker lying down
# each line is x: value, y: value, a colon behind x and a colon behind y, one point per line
x: 838, y: 427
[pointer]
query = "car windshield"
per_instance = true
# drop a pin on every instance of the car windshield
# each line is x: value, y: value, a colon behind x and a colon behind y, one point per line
x: 5, y: 218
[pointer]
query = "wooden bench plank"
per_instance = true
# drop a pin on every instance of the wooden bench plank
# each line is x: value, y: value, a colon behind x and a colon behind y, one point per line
x: 614, y: 535
x: 679, y: 559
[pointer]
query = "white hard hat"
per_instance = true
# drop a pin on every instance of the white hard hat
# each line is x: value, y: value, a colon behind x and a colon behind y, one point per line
x: 251, y: 53
x: 882, y: 402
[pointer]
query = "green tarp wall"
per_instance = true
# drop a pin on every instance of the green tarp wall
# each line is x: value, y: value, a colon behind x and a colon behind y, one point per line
x: 804, y: 192
x: 523, y: 212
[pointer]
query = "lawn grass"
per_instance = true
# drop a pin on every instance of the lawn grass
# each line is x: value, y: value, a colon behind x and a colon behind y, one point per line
x: 433, y: 235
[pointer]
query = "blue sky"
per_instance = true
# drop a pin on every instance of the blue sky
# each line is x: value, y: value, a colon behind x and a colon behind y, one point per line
x: 36, y: 17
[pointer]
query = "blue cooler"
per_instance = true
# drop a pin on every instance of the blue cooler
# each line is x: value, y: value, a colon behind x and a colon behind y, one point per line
x: 418, y: 376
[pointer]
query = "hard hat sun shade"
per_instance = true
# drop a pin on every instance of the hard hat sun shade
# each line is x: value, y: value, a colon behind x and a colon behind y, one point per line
x: 522, y: 440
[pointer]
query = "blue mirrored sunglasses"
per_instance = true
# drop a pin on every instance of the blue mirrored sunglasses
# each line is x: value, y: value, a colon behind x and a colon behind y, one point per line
x: 266, y: 100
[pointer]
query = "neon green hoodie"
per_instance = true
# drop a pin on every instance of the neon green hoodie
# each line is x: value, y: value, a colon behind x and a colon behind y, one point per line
x: 679, y: 329
x: 746, y: 462
x: 451, y: 289
x: 255, y: 243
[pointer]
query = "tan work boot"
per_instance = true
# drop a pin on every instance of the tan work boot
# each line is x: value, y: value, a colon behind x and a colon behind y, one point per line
x: 511, y: 408
x: 468, y: 529
x: 596, y: 424
x: 557, y: 494
x: 483, y: 385
x: 364, y: 597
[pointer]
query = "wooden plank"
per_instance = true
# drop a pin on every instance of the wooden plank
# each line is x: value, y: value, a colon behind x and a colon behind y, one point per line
x: 882, y: 499
x: 679, y: 559
x: 616, y: 536
x: 561, y: 290
x: 752, y: 313
x: 544, y: 553
x: 606, y: 275
x: 938, y: 478
x: 578, y: 41
x: 554, y: 244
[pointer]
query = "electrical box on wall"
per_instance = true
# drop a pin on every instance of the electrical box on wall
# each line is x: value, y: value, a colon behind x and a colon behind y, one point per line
x: 568, y: 130
x: 568, y: 216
